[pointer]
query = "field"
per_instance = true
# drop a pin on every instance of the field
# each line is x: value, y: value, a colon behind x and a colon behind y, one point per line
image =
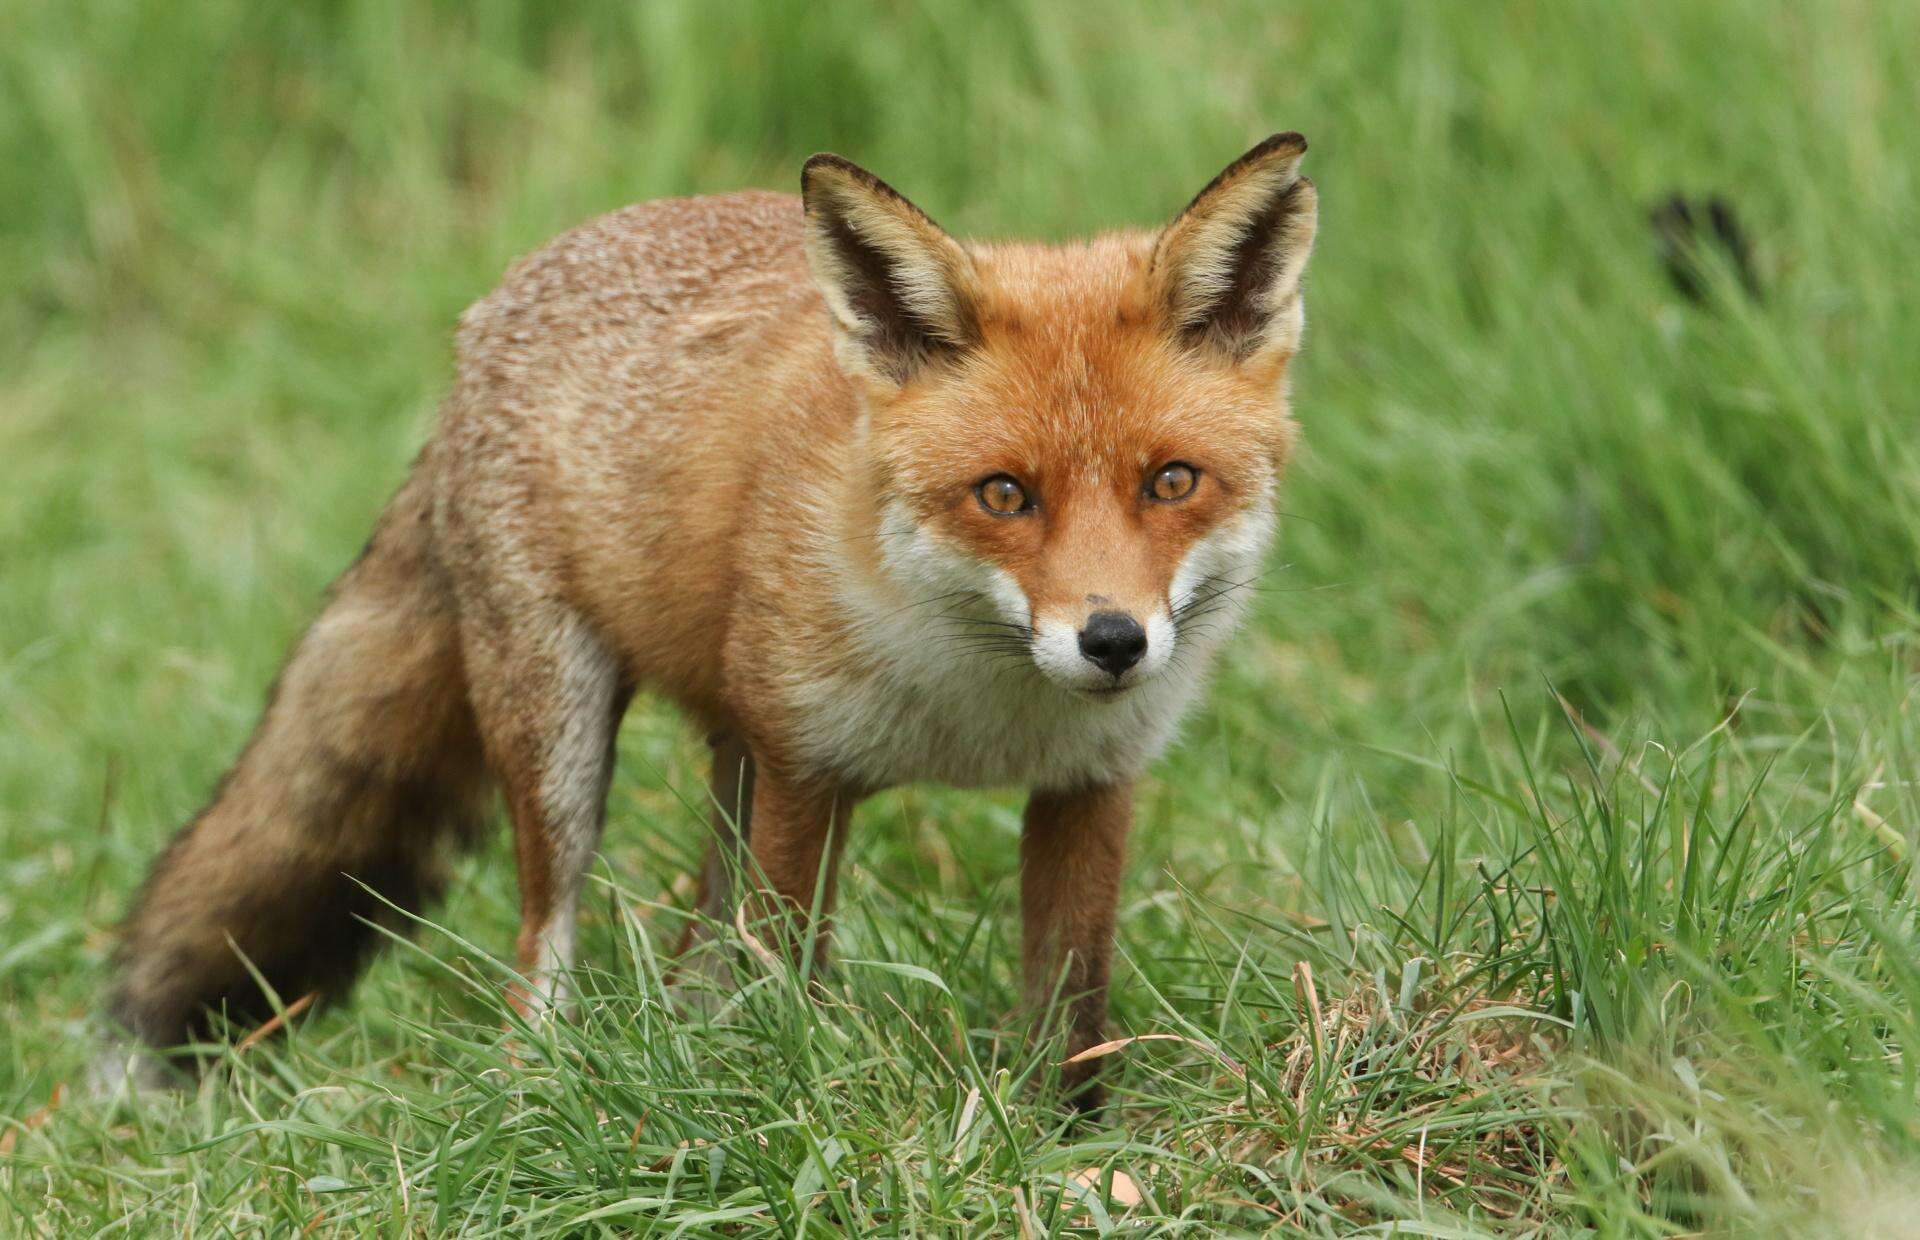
x: 1541, y: 864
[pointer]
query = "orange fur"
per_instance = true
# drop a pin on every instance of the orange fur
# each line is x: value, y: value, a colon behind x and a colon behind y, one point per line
x: 726, y: 450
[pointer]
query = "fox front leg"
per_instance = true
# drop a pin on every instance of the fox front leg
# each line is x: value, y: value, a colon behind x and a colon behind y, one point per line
x: 730, y: 788
x: 1072, y: 855
x: 799, y: 828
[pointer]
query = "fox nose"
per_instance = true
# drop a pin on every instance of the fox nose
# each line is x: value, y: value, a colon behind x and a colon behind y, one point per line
x: 1113, y: 640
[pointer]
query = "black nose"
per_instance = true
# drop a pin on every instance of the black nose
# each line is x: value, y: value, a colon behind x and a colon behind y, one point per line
x: 1113, y: 640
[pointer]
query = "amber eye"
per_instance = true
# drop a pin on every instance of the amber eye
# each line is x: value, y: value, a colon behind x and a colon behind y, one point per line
x: 1002, y: 496
x: 1173, y: 481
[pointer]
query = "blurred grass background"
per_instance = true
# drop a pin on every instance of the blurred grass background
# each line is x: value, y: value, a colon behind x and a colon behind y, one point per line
x: 234, y: 240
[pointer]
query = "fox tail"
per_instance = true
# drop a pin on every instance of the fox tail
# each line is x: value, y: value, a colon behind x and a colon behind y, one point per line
x: 362, y: 778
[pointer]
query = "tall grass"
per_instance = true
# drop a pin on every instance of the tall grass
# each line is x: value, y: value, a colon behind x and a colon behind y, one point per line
x: 1542, y: 860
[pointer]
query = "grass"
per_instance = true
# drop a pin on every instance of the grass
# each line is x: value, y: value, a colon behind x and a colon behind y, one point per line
x: 1540, y: 864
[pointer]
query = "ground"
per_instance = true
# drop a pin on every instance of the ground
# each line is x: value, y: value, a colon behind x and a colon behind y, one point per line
x: 1541, y: 862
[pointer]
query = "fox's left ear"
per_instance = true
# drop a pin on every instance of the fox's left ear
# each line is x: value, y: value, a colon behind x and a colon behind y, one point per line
x: 1226, y: 272
x: 901, y: 292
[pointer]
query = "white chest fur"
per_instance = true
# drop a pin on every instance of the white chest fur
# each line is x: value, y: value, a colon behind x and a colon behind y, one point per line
x: 971, y: 721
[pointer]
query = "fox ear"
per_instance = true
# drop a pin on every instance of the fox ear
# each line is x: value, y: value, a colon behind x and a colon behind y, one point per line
x: 901, y: 291
x: 1226, y: 271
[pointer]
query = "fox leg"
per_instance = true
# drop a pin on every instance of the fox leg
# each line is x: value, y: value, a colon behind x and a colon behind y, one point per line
x: 548, y: 697
x: 799, y: 828
x: 731, y: 785
x: 1072, y: 855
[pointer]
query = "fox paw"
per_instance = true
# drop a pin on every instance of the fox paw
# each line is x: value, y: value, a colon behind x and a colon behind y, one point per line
x: 126, y: 1071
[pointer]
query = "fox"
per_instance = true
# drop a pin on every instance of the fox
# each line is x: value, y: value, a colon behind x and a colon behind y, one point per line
x: 870, y: 505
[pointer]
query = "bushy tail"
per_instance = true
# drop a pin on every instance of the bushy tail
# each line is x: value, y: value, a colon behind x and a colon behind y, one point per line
x: 365, y: 769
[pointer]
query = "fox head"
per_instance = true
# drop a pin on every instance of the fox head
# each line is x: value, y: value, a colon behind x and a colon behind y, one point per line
x: 1071, y: 449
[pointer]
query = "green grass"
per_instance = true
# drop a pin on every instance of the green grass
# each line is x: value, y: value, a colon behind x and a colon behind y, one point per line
x: 1541, y: 863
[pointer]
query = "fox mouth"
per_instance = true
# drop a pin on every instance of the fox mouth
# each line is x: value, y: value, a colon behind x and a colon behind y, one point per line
x: 1058, y: 652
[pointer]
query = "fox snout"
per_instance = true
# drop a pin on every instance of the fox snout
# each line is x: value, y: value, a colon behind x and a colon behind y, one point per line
x: 1104, y: 649
x: 1113, y: 641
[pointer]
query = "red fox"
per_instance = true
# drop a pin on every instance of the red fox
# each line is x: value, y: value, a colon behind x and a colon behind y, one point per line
x: 870, y: 505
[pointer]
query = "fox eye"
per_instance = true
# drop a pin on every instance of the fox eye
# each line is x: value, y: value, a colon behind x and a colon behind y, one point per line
x: 1002, y: 496
x: 1171, y: 482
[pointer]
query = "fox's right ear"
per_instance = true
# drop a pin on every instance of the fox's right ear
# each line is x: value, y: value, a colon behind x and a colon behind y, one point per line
x: 900, y: 290
x: 1227, y: 270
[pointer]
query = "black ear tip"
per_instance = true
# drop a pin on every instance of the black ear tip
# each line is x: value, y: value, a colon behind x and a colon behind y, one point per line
x: 1289, y: 143
x: 839, y: 167
x: 824, y: 161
